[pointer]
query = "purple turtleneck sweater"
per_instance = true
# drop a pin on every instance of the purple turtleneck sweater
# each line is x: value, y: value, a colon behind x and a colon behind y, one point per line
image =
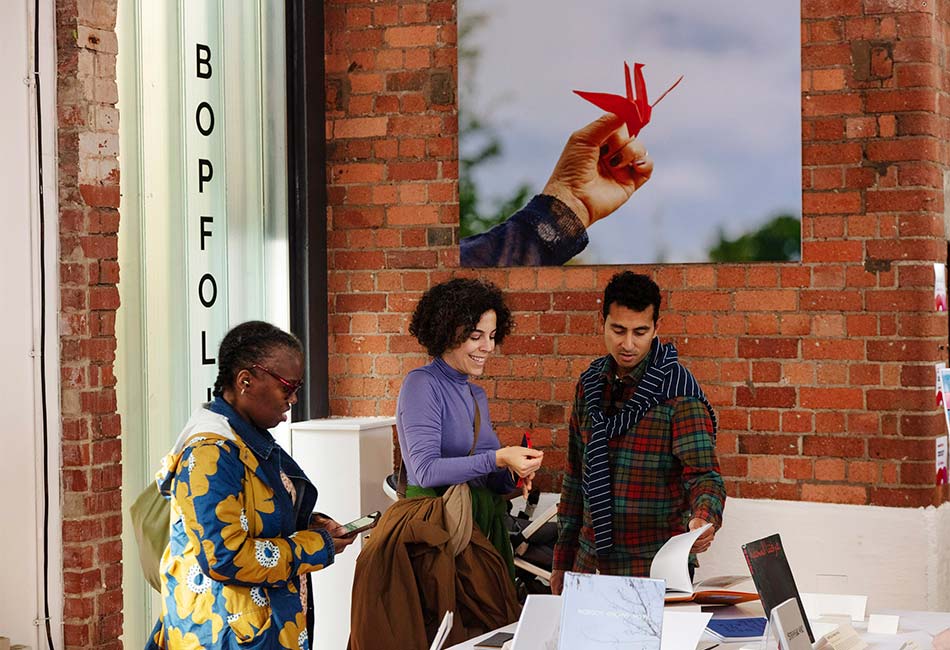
x: 434, y: 418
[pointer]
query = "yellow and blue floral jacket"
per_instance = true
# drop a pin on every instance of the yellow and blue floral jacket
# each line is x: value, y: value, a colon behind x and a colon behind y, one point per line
x: 239, y: 547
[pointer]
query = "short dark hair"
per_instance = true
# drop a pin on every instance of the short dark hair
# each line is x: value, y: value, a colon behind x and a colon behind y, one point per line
x: 633, y: 291
x: 246, y: 344
x: 449, y: 312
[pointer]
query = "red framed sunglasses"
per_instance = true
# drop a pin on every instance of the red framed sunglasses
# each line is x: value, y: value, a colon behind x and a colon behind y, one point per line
x: 289, y: 387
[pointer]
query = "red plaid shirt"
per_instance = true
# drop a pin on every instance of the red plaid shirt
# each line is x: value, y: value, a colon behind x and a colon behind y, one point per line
x: 663, y: 473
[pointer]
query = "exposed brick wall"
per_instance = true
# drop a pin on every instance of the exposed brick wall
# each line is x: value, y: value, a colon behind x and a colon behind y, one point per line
x: 821, y: 370
x: 88, y: 181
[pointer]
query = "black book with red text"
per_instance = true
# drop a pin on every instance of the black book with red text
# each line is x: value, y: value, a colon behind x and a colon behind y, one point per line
x: 772, y: 575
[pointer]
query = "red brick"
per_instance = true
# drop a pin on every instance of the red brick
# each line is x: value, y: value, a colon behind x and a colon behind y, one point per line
x: 104, y: 196
x: 900, y: 400
x: 773, y: 397
x: 798, y: 468
x: 100, y: 246
x: 831, y: 398
x: 830, y: 469
x: 830, y: 154
x: 373, y: 302
x: 766, y: 371
x: 764, y: 420
x: 832, y: 251
x: 764, y: 467
x: 831, y: 202
x: 81, y: 530
x: 830, y: 422
x: 771, y: 444
x: 893, y: 448
x: 823, y: 105
x: 768, y: 348
x: 576, y: 301
x: 901, y: 350
x: 837, y: 301
x: 104, y: 298
x: 917, y: 473
x: 796, y: 422
x: 411, y: 36
x: 836, y: 446
x: 816, y: 348
x: 357, y: 173
x: 901, y: 497
x: 835, y: 493
x: 769, y: 490
x: 360, y: 127
x: 778, y: 300
x: 893, y: 101
x: 904, y: 200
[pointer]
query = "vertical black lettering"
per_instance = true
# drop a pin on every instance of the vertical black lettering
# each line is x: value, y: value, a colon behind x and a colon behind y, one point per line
x: 205, y: 279
x: 205, y: 233
x: 206, y: 108
x: 205, y: 359
x: 205, y: 173
x: 203, y: 63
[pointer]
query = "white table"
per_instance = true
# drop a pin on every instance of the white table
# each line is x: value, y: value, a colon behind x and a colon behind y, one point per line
x: 917, y: 626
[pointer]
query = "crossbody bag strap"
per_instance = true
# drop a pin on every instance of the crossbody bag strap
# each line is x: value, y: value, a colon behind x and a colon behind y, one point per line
x: 477, y: 421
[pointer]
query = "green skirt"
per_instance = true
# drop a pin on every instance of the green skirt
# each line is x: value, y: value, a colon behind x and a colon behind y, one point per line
x: 488, y: 511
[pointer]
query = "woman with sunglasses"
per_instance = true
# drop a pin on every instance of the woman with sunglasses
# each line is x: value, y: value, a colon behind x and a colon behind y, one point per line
x: 243, y: 541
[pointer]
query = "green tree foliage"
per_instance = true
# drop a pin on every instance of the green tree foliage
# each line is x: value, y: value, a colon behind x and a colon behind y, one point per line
x: 778, y: 240
x: 479, y: 145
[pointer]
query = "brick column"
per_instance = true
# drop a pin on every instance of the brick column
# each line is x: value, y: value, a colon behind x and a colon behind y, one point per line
x: 88, y: 145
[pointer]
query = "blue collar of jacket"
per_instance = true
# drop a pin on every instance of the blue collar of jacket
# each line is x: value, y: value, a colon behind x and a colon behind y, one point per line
x: 260, y: 441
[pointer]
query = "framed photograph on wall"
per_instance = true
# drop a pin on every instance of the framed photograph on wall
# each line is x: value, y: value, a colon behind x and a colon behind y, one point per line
x: 725, y: 143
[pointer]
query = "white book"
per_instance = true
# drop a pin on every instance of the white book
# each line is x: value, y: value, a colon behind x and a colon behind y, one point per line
x: 443, y: 632
x: 601, y: 612
x: 790, y: 627
x: 539, y: 625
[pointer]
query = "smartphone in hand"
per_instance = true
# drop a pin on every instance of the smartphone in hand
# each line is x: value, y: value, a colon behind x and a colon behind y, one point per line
x: 358, y: 525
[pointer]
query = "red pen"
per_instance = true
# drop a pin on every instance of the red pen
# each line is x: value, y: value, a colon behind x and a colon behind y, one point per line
x: 525, y: 442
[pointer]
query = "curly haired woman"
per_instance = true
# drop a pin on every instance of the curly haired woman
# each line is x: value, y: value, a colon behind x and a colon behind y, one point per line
x: 445, y: 434
x: 243, y: 541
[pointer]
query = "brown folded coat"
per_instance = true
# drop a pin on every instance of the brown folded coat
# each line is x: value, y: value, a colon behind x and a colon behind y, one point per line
x: 407, y: 577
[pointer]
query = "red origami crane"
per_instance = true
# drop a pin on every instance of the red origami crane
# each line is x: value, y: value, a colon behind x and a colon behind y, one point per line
x: 635, y: 111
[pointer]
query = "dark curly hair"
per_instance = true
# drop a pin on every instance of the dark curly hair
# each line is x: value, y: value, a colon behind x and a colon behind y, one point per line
x: 449, y: 312
x: 633, y: 291
x: 246, y: 344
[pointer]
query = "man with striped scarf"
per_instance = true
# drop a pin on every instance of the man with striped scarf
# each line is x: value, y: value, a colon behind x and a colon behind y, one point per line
x: 642, y: 463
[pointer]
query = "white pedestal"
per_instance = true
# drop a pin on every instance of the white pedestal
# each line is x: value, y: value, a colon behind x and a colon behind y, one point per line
x: 347, y: 459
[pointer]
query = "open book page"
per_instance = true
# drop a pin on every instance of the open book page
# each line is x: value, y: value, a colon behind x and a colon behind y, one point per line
x: 671, y: 562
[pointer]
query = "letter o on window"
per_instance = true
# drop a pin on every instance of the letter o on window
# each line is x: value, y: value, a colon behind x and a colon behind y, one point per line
x: 204, y: 113
x: 205, y: 279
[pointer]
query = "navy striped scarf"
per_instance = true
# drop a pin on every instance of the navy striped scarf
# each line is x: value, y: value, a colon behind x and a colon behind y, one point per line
x: 663, y: 380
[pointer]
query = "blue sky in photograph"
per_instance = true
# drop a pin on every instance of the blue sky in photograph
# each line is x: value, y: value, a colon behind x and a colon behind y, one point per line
x: 726, y: 142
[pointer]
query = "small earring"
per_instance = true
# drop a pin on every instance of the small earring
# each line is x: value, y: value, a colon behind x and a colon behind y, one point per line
x: 243, y: 390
